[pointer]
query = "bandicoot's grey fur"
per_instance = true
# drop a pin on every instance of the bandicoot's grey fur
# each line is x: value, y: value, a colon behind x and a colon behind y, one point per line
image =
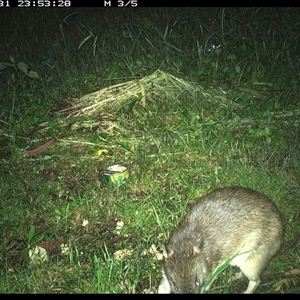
x: 234, y: 223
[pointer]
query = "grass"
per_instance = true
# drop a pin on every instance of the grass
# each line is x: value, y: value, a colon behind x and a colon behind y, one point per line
x: 196, y: 99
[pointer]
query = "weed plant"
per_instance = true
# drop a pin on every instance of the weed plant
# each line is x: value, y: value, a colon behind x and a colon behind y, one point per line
x: 61, y: 227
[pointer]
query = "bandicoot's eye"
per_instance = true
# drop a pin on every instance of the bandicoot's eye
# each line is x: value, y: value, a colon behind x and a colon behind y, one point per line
x: 174, y: 286
x: 197, y: 282
x: 175, y: 289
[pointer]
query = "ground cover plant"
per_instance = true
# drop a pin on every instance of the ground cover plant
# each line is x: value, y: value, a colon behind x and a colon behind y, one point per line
x: 189, y: 99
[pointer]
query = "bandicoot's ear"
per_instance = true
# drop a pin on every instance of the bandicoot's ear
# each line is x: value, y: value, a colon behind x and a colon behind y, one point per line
x: 197, y: 248
x: 167, y: 253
